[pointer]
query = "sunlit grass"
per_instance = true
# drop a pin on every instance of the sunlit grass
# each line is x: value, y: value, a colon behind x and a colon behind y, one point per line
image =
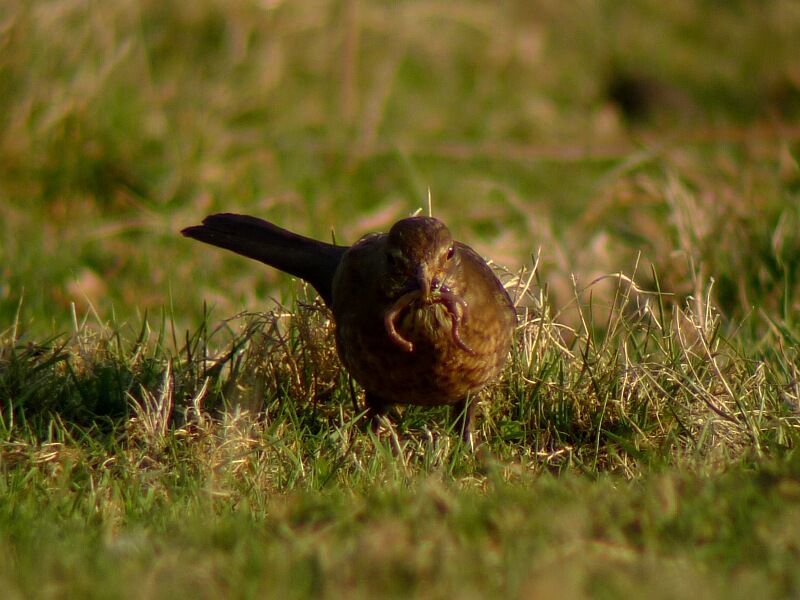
x: 632, y: 170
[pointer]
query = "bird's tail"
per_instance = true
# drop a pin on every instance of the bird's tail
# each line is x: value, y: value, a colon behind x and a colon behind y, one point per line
x: 303, y: 257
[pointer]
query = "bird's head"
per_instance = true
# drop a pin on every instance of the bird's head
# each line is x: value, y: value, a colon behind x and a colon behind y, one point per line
x: 420, y: 255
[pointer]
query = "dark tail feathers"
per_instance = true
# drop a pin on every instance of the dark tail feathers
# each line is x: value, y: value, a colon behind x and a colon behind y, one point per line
x: 303, y: 257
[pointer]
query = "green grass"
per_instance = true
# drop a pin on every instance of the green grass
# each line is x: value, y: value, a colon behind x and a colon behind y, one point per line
x: 632, y: 167
x: 150, y: 535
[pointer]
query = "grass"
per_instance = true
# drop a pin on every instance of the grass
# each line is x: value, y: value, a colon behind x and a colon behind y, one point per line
x: 638, y: 182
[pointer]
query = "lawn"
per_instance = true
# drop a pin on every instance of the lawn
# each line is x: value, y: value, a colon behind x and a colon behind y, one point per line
x: 174, y: 421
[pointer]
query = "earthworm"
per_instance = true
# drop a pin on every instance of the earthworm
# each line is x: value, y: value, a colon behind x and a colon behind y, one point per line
x: 456, y: 308
x: 391, y: 315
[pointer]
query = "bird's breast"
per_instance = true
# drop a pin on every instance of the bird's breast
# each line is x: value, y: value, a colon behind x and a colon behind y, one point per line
x: 425, y: 324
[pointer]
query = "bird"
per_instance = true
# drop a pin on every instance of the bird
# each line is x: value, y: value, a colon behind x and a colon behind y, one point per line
x: 420, y: 319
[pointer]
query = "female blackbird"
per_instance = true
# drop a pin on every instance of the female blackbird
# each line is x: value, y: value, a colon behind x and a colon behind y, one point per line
x: 420, y: 318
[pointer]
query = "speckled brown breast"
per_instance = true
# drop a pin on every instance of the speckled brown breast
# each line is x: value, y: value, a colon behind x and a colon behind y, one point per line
x: 437, y: 371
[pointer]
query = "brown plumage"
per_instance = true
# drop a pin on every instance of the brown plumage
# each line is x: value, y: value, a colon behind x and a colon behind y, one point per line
x: 420, y: 318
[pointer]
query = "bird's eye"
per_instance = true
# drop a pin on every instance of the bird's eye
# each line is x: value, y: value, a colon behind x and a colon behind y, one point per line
x: 450, y: 252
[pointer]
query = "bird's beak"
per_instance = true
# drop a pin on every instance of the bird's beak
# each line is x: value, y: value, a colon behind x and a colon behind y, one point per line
x: 424, y: 279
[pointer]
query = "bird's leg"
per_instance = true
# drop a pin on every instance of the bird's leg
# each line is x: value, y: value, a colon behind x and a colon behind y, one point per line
x: 353, y: 397
x: 464, y: 412
x: 376, y: 408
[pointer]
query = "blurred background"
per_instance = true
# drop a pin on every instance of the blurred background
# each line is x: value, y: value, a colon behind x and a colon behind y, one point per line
x: 596, y: 136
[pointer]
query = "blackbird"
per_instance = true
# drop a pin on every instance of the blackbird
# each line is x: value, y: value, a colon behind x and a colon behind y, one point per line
x: 420, y: 318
